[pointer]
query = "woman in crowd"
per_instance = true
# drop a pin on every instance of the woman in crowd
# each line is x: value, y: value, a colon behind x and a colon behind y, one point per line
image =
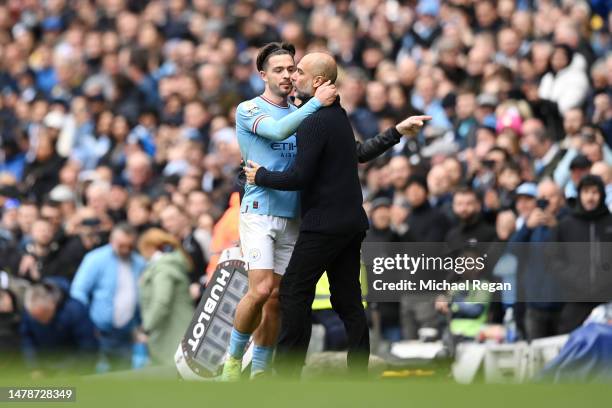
x: 164, y: 295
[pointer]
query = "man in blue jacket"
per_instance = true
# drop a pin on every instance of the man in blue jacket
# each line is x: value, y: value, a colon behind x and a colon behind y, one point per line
x: 106, y: 282
x: 56, y: 332
x: 538, y: 283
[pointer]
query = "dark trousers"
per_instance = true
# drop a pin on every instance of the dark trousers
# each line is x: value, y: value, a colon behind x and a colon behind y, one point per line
x: 574, y: 314
x: 315, y: 253
x: 542, y: 322
x: 115, y: 349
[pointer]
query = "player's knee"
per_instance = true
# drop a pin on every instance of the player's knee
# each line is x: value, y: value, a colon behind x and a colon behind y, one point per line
x: 274, y: 295
x: 272, y: 306
x: 261, y: 293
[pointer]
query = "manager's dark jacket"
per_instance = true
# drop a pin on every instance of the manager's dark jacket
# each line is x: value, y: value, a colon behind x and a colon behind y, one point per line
x: 333, y: 226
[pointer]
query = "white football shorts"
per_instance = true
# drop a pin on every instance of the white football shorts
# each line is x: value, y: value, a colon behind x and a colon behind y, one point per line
x: 267, y: 241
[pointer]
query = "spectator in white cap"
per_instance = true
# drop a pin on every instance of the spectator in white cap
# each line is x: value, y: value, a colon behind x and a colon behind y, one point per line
x: 526, y: 195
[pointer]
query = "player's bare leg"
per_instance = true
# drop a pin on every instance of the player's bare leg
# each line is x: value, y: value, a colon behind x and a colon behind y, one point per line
x: 266, y: 333
x: 249, y: 313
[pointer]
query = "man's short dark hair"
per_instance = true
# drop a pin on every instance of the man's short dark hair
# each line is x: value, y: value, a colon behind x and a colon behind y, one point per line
x: 464, y: 189
x: 48, y: 202
x: 126, y: 228
x: 272, y: 49
x: 511, y: 166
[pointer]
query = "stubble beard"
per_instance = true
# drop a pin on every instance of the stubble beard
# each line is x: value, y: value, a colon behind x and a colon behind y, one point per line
x: 276, y: 90
x: 301, y: 95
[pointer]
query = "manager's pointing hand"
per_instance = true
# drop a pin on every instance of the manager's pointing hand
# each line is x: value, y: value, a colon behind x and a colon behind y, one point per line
x: 251, y: 170
x: 412, y: 125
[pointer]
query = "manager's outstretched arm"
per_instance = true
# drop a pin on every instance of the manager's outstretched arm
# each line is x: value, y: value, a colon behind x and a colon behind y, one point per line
x: 382, y: 142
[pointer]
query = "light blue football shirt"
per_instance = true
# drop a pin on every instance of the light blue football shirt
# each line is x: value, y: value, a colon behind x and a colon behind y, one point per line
x: 271, y: 152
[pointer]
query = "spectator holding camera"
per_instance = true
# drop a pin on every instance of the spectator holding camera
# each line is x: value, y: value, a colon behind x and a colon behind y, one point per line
x: 537, y: 282
x: 40, y: 255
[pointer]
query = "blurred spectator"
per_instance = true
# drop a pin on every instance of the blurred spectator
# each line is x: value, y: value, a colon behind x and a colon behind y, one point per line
x: 9, y: 322
x: 41, y: 173
x: 566, y: 81
x: 27, y: 213
x: 400, y: 170
x: 140, y: 175
x: 56, y: 332
x: 425, y: 223
x: 380, y: 222
x: 604, y: 171
x: 175, y: 221
x: 537, y: 282
x: 164, y: 296
x: 541, y: 146
x: 472, y: 228
x: 466, y: 311
x: 139, y: 208
x: 440, y: 190
x: 526, y: 195
x: 590, y: 222
x: 106, y: 282
x: 579, y: 167
x: 379, y: 231
x: 12, y: 159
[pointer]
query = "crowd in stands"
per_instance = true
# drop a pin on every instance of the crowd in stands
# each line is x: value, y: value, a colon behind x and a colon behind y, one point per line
x: 119, y: 161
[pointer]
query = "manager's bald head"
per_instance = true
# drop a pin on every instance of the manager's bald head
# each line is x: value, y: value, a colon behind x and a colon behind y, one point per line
x: 313, y: 70
x: 321, y: 64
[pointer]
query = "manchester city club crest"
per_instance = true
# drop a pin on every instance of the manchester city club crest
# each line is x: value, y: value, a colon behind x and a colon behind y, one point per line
x: 254, y: 254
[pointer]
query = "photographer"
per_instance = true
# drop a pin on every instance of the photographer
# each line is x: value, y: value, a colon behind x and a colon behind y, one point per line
x: 536, y: 281
x: 52, y: 253
x: 38, y: 258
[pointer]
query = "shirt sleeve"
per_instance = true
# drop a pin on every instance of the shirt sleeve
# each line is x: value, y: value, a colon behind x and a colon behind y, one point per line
x: 377, y: 145
x: 84, y: 280
x: 310, y: 141
x: 255, y: 120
